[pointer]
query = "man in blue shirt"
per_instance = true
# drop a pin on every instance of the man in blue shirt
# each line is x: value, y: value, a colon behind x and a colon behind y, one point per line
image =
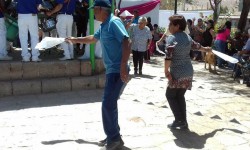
x: 116, y: 50
x: 28, y: 22
x: 246, y: 48
x: 3, y: 51
x: 136, y: 16
x: 65, y: 9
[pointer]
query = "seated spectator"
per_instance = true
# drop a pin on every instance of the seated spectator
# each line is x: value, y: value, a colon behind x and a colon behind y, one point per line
x: 245, y: 52
x: 237, y: 43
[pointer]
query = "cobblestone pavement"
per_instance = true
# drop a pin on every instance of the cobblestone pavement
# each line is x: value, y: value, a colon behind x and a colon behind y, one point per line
x: 217, y: 109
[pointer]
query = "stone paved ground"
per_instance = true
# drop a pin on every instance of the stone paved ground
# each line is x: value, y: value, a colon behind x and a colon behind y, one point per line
x: 217, y: 108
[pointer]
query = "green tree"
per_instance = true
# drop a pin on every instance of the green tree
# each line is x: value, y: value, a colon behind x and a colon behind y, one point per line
x: 224, y: 10
x: 167, y: 4
x: 189, y: 1
x: 215, y: 5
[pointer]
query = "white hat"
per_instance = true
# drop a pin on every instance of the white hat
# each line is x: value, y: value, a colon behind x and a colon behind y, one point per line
x: 126, y: 13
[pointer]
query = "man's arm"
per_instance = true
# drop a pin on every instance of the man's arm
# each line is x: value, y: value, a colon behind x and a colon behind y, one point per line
x: 56, y: 9
x: 244, y: 52
x: 126, y: 50
x: 84, y: 40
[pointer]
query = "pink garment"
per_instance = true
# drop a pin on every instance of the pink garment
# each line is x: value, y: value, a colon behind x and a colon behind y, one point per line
x: 152, y: 48
x: 142, y: 8
x: 223, y: 36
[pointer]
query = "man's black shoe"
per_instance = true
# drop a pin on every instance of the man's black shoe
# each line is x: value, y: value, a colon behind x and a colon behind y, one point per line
x: 102, y: 142
x: 178, y: 125
x: 116, y: 145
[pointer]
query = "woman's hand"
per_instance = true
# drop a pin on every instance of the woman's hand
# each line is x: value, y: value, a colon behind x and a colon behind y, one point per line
x: 148, y: 46
x: 158, y: 42
x: 168, y: 75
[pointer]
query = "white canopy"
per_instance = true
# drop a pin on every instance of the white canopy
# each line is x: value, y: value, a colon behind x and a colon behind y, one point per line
x: 126, y: 14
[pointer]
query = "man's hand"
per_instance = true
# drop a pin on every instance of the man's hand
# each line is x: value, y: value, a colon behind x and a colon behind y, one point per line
x: 124, y: 73
x: 70, y: 40
x: 49, y: 13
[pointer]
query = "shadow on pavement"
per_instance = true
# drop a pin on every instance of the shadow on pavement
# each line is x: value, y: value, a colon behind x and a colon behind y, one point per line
x: 79, y: 141
x: 142, y: 76
x: 51, y: 99
x: 190, y: 139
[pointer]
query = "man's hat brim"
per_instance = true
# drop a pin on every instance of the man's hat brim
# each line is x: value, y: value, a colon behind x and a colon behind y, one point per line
x: 100, y: 4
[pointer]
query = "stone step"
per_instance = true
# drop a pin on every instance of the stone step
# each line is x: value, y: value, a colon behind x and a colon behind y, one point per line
x: 17, y: 70
x: 48, y: 85
x: 19, y: 78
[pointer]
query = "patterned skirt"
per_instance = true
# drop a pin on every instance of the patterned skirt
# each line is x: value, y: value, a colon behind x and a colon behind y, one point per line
x: 185, y: 83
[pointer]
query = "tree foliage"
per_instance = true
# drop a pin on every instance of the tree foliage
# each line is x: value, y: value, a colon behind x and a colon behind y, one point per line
x: 215, y: 5
x: 189, y: 1
x: 167, y: 4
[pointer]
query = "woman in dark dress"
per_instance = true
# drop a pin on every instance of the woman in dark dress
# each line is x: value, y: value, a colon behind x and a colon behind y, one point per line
x: 208, y: 35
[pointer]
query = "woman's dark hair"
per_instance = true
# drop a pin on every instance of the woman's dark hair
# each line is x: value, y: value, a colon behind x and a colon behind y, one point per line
x: 149, y: 19
x: 228, y: 24
x: 190, y: 21
x: 211, y: 23
x: 178, y: 20
x: 155, y: 25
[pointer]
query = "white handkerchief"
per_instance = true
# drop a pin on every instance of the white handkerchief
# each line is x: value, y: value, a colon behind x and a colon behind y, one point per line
x: 225, y: 57
x: 49, y: 42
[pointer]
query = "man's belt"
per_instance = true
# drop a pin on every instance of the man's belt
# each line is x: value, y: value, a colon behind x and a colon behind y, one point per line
x: 65, y: 13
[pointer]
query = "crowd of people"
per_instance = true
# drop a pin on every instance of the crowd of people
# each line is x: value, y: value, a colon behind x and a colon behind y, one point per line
x: 222, y: 40
x: 57, y: 18
x: 39, y: 18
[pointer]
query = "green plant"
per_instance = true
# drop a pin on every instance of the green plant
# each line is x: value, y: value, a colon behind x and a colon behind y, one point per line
x: 162, y: 30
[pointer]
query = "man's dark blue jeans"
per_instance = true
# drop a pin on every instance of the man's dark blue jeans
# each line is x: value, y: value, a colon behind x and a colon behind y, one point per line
x: 112, y: 91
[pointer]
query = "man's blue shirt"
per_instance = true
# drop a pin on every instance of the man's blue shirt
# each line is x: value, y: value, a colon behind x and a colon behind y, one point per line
x: 68, y: 7
x: 28, y: 6
x: 111, y: 34
x: 1, y: 15
x: 136, y: 19
x: 247, y: 46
